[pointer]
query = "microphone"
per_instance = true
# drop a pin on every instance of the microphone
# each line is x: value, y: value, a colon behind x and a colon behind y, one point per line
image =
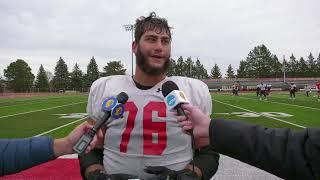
x: 174, y: 97
x: 112, y: 107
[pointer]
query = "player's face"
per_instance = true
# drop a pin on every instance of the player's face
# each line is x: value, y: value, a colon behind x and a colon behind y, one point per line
x: 153, y: 52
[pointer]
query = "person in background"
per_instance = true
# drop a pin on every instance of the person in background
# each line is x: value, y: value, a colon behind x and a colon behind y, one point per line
x: 293, y: 89
x: 307, y: 89
x: 318, y: 90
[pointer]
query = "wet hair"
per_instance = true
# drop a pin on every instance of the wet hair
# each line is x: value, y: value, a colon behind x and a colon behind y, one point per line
x: 151, y: 23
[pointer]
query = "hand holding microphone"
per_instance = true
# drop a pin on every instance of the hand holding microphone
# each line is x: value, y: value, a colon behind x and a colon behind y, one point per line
x: 111, y: 107
x: 198, y: 122
x: 174, y: 98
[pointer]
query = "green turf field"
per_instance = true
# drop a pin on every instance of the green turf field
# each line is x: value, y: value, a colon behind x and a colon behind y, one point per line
x: 278, y: 111
x: 57, y: 115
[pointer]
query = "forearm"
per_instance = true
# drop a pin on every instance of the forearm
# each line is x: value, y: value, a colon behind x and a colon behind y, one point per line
x: 61, y: 147
x: 20, y: 154
x: 278, y: 151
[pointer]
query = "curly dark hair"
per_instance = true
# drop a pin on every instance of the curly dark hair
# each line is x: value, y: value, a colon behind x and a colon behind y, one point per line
x: 151, y: 23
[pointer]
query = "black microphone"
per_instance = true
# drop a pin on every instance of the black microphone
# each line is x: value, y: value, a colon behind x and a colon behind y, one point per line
x: 108, y: 107
x: 177, y: 98
x: 166, y: 89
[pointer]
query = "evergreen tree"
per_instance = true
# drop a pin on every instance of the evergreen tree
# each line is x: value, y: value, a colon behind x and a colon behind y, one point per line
x: 302, y: 69
x: 180, y: 67
x: 92, y: 72
x: 215, y: 72
x: 259, y: 62
x: 61, y: 78
x: 2, y: 84
x: 198, y: 70
x: 203, y: 73
x: 188, y: 67
x: 241, y: 71
x: 114, y: 68
x: 19, y: 76
x: 172, y: 67
x: 292, y: 67
x: 276, y: 67
x: 76, y: 78
x: 42, y: 82
x: 312, y: 66
x: 230, y: 72
x: 318, y: 66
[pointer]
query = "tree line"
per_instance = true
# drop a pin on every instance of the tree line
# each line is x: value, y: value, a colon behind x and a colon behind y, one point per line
x: 260, y: 63
x: 19, y: 78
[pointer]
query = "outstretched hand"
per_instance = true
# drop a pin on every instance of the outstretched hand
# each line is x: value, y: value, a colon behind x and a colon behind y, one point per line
x: 64, y: 145
x: 197, y: 122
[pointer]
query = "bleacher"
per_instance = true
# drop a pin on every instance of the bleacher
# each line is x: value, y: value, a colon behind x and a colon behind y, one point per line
x: 247, y: 84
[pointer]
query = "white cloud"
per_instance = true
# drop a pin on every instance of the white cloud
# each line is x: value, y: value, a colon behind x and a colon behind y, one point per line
x: 221, y: 32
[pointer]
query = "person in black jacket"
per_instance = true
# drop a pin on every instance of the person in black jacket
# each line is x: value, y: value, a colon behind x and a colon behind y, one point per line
x: 286, y: 153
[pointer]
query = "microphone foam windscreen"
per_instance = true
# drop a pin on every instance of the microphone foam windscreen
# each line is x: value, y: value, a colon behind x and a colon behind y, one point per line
x: 167, y: 87
x: 122, y: 97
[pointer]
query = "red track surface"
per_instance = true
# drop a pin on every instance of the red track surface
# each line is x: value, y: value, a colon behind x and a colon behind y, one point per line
x: 54, y: 170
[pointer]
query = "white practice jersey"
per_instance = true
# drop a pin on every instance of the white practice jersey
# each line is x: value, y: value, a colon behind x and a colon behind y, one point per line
x: 148, y: 134
x: 258, y: 86
x: 293, y: 87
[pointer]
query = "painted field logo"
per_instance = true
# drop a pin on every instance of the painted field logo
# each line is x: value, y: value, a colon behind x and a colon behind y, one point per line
x: 72, y: 115
x: 251, y: 114
x: 171, y: 100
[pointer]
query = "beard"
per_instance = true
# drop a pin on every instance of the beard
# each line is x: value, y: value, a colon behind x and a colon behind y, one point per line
x: 145, y: 66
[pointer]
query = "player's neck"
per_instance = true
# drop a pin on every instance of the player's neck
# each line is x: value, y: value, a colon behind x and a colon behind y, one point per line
x: 147, y: 80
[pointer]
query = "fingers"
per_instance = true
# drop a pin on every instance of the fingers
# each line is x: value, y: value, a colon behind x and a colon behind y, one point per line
x: 101, y: 134
x: 181, y: 118
x: 85, y: 126
x: 186, y: 129
x: 185, y: 123
x: 187, y: 107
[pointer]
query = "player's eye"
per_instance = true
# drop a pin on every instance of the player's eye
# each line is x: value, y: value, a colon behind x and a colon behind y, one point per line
x: 151, y: 39
x: 166, y: 41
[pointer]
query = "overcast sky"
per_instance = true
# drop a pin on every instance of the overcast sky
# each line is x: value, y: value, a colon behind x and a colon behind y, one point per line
x: 221, y: 32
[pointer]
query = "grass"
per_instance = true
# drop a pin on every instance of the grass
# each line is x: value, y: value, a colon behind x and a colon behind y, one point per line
x: 304, y: 111
x: 26, y: 117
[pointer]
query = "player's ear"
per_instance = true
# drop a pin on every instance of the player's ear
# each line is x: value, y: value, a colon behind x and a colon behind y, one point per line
x: 134, y: 47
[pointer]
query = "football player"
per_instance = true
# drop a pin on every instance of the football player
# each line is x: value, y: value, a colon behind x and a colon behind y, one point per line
x: 258, y: 89
x: 263, y: 92
x: 293, y: 89
x: 318, y: 90
x: 148, y: 133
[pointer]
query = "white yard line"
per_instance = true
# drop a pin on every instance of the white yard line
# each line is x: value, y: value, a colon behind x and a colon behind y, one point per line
x: 54, y: 129
x: 53, y: 98
x: 277, y: 119
x: 306, y: 107
x: 41, y: 110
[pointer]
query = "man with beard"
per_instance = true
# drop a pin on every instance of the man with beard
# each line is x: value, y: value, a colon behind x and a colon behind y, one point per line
x: 148, y: 134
